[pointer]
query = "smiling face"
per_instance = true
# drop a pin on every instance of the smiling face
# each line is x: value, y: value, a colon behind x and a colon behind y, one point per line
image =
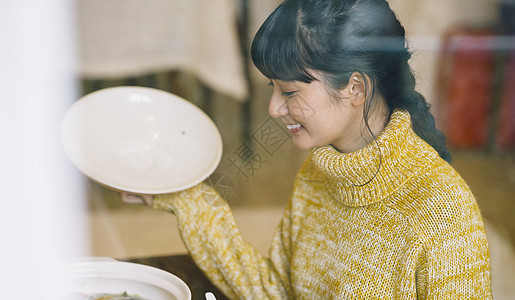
x: 315, y: 118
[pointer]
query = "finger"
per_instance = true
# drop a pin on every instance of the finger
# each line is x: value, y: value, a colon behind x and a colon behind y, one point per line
x: 147, y: 199
x: 132, y: 199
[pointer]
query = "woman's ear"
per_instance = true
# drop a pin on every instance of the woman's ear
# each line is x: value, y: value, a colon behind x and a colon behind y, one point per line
x: 356, y: 89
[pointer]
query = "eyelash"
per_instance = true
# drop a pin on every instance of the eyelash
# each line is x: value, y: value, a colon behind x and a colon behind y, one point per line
x: 286, y: 94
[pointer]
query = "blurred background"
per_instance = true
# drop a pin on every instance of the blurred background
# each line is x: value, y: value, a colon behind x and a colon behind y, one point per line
x: 464, y: 59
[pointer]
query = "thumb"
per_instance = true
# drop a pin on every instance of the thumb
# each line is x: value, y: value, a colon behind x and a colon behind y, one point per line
x: 137, y: 199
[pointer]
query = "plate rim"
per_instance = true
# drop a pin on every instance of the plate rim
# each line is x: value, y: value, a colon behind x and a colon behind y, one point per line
x: 218, y: 148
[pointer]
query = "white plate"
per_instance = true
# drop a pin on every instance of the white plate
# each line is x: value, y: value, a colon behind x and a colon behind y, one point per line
x: 114, y: 277
x: 141, y: 140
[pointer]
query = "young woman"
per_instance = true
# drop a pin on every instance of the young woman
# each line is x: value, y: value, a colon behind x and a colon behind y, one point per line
x: 377, y: 212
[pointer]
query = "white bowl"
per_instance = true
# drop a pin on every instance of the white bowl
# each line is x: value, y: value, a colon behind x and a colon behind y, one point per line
x: 108, y: 276
x: 141, y: 140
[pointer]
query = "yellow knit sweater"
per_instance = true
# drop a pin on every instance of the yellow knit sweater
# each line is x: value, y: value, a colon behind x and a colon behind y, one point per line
x: 389, y: 221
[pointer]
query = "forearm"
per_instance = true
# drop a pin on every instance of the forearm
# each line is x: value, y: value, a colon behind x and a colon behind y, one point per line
x: 215, y: 243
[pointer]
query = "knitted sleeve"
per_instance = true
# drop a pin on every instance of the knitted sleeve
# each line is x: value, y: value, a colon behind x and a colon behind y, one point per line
x: 212, y: 238
x: 458, y: 264
x: 456, y: 260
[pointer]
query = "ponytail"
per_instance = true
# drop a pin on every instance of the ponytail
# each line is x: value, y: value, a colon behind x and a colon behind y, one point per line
x: 424, y: 126
x: 422, y: 120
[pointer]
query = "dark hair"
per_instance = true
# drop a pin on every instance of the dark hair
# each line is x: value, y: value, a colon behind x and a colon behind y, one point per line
x: 338, y: 38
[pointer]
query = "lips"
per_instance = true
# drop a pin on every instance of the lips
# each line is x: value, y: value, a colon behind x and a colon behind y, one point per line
x: 294, y: 128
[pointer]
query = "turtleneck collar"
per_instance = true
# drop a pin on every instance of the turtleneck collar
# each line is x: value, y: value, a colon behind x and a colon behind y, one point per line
x: 375, y: 171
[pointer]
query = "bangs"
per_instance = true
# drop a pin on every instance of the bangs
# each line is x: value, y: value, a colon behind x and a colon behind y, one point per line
x: 275, y: 50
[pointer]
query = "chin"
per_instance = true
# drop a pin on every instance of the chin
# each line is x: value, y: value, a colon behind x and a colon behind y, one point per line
x: 304, y: 145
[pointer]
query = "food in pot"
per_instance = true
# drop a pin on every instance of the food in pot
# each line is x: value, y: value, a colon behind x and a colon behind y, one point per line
x: 105, y: 296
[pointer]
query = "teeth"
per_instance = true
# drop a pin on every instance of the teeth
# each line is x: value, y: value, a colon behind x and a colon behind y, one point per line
x: 293, y: 126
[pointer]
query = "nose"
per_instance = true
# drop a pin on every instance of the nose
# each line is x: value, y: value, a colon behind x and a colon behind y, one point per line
x: 277, y: 106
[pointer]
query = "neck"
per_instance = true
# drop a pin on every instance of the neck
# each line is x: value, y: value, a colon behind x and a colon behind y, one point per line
x: 377, y: 119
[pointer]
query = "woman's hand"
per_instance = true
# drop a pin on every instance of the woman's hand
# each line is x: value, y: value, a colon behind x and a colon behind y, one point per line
x: 137, y: 199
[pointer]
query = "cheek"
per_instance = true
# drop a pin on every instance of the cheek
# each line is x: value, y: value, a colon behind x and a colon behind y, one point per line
x: 333, y: 123
x: 303, y: 108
